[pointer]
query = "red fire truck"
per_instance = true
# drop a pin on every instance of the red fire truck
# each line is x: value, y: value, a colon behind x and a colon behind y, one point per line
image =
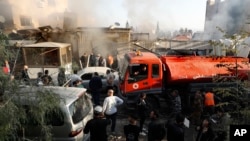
x: 146, y: 72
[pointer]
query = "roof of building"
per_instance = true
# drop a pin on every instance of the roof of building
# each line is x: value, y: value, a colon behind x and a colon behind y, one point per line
x: 182, y: 38
x: 48, y: 44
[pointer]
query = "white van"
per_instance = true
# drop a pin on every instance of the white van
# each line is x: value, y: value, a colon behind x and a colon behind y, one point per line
x: 75, y: 110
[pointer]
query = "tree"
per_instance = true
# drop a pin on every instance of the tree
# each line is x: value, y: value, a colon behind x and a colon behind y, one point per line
x: 13, y: 116
x: 234, y: 98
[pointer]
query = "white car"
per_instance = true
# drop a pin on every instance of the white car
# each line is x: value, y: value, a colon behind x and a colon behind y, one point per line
x: 75, y: 110
x: 87, y: 73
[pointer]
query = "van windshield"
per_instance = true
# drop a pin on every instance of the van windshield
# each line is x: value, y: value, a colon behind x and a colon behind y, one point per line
x: 79, y: 109
x: 42, y: 56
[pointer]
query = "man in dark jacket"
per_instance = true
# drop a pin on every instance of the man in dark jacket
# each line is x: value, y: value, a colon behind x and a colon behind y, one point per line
x: 61, y: 77
x: 95, y: 85
x: 83, y: 60
x: 97, y: 126
x: 156, y: 129
x: 131, y: 130
x: 142, y: 108
x: 92, y: 60
x: 25, y: 75
x: 175, y: 131
x: 46, y: 78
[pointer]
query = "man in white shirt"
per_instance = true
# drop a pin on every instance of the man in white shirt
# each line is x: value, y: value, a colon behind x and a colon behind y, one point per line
x: 110, y: 107
x: 110, y: 79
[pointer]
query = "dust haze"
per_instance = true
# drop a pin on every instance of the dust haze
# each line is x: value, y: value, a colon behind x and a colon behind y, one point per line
x: 231, y: 16
x: 140, y: 13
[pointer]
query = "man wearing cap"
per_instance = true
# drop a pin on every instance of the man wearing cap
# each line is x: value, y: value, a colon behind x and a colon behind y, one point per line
x: 97, y: 126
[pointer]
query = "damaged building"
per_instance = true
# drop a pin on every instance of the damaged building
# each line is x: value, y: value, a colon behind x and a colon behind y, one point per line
x: 49, y: 21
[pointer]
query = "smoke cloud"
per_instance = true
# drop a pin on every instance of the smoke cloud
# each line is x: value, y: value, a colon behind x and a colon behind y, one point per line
x: 45, y: 11
x: 140, y: 14
x: 230, y: 15
x: 143, y: 15
x: 86, y: 10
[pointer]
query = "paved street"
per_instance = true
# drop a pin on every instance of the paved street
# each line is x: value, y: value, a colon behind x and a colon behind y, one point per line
x: 122, y: 120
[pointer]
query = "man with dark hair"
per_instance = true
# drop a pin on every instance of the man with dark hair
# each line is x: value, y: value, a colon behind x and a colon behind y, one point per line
x: 110, y: 77
x: 83, y: 60
x: 95, y: 85
x: 175, y: 131
x: 110, y: 105
x: 61, y: 77
x: 143, y: 109
x: 74, y: 77
x: 156, y: 129
x: 97, y: 126
x: 131, y: 130
x: 176, y: 102
x: 46, y: 78
x: 221, y: 124
x: 92, y: 60
x: 39, y: 81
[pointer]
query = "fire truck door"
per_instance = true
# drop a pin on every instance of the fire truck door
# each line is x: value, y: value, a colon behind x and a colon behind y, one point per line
x: 138, y: 78
x: 155, y: 78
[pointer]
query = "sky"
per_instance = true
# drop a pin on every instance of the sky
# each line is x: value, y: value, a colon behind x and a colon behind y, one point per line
x: 141, y: 14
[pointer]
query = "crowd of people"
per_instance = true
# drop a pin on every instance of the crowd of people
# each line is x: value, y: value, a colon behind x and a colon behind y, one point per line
x: 106, y: 115
x: 211, y: 123
x: 98, y: 60
x: 43, y: 78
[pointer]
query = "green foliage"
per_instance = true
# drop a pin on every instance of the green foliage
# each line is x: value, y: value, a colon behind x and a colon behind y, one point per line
x: 45, y: 102
x: 13, y: 116
x: 234, y: 99
x: 235, y: 38
x: 10, y: 118
x: 5, y: 51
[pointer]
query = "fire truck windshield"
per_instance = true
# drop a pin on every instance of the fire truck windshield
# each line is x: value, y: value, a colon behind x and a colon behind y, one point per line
x: 138, y: 71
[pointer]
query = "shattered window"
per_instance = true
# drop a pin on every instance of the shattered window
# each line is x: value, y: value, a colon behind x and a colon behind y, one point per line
x: 42, y: 56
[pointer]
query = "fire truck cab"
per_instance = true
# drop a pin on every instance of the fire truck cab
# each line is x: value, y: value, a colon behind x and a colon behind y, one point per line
x: 140, y: 73
x: 145, y: 72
